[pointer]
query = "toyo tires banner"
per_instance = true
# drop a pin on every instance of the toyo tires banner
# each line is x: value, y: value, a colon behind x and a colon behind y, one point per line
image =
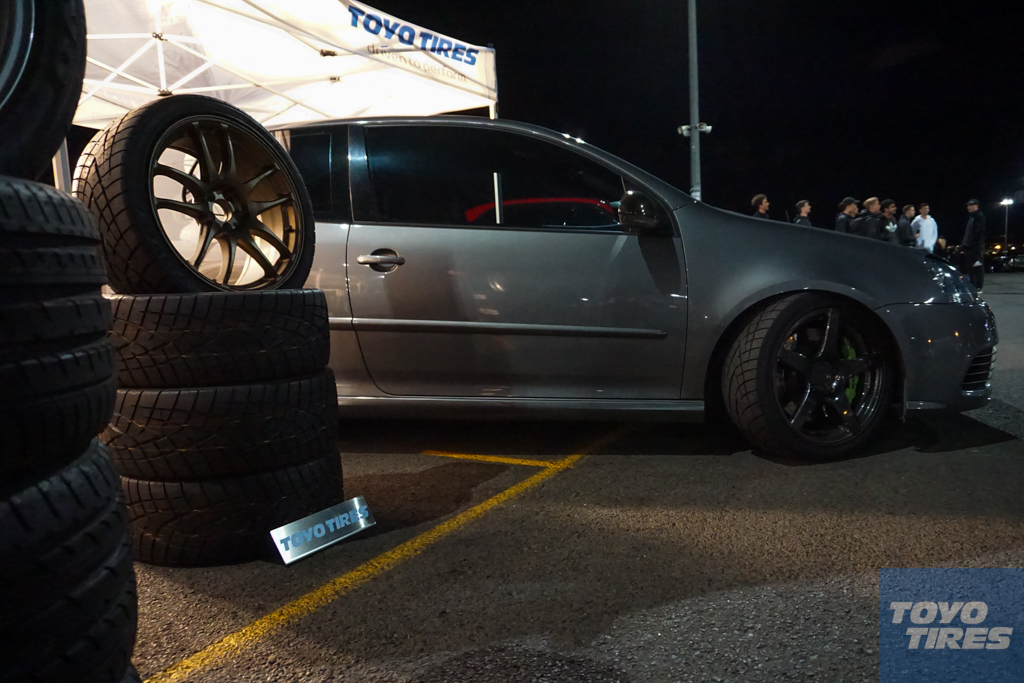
x: 281, y: 61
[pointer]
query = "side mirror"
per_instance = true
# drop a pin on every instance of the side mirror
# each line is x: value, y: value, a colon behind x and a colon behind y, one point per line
x: 641, y: 215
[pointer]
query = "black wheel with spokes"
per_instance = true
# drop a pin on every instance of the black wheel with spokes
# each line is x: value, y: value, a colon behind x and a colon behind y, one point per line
x: 214, y: 183
x: 193, y: 195
x: 810, y: 375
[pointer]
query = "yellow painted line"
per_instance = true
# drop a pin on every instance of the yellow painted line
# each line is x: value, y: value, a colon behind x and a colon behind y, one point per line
x: 234, y: 644
x: 492, y: 458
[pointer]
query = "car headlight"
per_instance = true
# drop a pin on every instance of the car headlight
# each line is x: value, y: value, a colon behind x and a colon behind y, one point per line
x: 956, y: 289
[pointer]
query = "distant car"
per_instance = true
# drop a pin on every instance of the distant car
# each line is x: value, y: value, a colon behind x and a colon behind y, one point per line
x: 598, y: 289
x: 1017, y: 259
x: 997, y: 258
x: 1002, y: 258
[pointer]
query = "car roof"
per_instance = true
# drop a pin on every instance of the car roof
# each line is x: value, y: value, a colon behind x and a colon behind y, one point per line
x: 424, y: 120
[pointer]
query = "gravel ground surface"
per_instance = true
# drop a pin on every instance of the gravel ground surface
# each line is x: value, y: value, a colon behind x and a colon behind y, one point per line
x: 672, y: 554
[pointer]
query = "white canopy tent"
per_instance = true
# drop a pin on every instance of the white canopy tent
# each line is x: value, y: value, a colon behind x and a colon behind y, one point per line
x: 281, y: 61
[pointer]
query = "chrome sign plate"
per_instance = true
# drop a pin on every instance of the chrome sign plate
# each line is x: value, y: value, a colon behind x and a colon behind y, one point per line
x: 321, y: 529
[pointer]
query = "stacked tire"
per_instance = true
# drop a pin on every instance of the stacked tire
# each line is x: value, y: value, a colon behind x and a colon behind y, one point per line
x: 226, y: 418
x: 66, y: 580
x: 225, y: 424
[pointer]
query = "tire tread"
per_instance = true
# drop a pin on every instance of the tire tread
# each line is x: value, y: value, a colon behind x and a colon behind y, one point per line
x: 214, y: 432
x: 67, y: 580
x: 226, y: 520
x: 222, y: 338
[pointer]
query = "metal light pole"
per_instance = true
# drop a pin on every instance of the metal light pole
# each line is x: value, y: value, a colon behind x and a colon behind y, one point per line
x: 691, y: 25
x: 1006, y: 226
x: 695, y: 127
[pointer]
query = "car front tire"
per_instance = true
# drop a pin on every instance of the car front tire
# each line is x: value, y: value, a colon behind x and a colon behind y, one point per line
x: 810, y: 376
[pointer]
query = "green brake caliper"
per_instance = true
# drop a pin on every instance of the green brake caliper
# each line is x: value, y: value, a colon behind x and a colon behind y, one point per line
x: 854, y: 383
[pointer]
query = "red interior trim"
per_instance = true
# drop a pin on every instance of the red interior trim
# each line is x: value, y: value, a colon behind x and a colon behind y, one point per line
x: 477, y: 211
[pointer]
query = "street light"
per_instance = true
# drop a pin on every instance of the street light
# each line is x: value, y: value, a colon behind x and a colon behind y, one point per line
x: 1006, y: 226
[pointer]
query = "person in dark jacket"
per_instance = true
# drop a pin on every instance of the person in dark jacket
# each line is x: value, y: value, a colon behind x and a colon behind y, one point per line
x: 847, y: 212
x: 887, y: 225
x: 803, y: 210
x: 973, y: 245
x: 761, y: 205
x: 868, y: 221
x: 906, y: 235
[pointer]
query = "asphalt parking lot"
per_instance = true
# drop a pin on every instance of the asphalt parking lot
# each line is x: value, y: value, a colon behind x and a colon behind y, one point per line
x: 568, y: 551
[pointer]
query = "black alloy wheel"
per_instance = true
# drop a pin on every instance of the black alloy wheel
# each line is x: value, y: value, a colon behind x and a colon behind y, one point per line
x: 828, y: 378
x: 810, y: 375
x: 234, y: 191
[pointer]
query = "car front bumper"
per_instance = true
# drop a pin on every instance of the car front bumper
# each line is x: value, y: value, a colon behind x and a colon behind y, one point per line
x: 948, y: 353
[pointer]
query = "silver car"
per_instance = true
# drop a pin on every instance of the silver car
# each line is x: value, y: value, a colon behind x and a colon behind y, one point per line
x: 491, y: 267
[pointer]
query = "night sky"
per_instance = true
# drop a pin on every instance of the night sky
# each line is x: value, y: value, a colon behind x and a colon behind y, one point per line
x: 809, y: 99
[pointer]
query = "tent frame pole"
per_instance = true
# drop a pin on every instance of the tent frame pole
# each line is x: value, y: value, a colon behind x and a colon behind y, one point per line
x: 62, y: 168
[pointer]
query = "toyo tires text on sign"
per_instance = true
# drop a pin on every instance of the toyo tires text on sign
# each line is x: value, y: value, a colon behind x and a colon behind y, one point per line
x: 940, y: 625
x: 321, y: 529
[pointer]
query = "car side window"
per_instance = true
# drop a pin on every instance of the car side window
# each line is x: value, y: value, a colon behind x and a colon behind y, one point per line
x: 546, y: 186
x: 323, y: 170
x: 457, y: 175
x: 421, y: 174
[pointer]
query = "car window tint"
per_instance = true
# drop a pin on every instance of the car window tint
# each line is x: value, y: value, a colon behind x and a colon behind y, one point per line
x: 423, y: 174
x: 546, y: 186
x: 447, y: 175
x: 311, y: 153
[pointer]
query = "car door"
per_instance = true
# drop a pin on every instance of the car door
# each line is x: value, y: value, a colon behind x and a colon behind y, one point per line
x: 488, y: 262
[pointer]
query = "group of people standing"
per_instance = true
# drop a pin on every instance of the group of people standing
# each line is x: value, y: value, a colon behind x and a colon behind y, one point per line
x: 878, y: 220
x: 914, y: 227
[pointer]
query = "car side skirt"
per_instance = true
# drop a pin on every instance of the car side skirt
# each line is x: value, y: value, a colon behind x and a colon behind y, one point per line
x: 519, y: 408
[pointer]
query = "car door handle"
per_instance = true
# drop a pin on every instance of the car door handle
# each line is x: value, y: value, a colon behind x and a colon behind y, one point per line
x: 380, y: 260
